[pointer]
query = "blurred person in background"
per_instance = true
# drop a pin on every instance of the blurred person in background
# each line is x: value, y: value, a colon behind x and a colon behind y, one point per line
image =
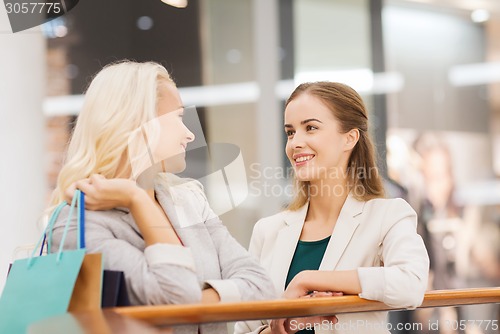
x: 478, y: 262
x: 440, y: 222
x: 440, y: 218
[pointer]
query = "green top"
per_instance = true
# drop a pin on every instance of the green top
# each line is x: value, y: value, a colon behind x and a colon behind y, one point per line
x: 307, y: 256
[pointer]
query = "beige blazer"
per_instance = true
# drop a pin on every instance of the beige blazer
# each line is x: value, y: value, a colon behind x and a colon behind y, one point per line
x: 377, y: 237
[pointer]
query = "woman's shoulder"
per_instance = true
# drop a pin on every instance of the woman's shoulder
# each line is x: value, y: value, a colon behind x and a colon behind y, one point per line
x: 174, y: 192
x: 172, y: 184
x: 390, y: 211
x: 267, y: 227
x: 99, y: 225
x: 170, y: 179
x: 104, y: 218
x: 388, y: 203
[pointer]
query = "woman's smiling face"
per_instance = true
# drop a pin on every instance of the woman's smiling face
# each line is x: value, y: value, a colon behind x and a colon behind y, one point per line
x: 174, y: 135
x: 315, y: 147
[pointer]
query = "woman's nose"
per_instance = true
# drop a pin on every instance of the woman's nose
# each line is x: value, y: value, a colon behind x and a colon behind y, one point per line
x: 190, y: 136
x: 297, y: 141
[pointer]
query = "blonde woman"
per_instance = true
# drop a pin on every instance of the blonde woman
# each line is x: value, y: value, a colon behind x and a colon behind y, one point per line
x: 339, y: 235
x: 163, y: 235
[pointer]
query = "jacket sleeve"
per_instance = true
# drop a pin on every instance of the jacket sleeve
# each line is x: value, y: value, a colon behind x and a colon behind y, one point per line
x: 162, y: 274
x: 402, y: 280
x: 242, y: 276
x: 255, y: 249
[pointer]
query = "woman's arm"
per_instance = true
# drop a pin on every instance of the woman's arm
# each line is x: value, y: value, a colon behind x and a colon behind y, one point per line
x: 164, y: 273
x: 402, y: 281
x: 314, y: 280
x: 242, y: 278
x: 210, y: 296
x: 159, y: 274
x: 105, y: 194
x: 151, y: 220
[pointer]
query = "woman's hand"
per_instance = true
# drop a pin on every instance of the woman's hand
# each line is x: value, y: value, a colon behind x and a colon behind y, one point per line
x: 105, y: 194
x: 293, y: 325
x: 298, y: 286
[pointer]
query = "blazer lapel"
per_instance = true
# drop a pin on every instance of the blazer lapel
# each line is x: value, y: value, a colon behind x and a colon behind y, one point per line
x: 286, y: 242
x: 342, y: 233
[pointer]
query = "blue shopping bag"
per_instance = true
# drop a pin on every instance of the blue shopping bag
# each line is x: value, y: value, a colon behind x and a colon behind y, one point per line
x: 41, y: 287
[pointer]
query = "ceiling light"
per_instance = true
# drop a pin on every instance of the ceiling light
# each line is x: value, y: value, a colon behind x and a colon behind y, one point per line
x: 144, y: 23
x: 474, y: 74
x: 176, y: 3
x: 480, y: 15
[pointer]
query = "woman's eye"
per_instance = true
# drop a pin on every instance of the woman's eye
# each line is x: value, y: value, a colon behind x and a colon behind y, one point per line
x: 311, y: 127
x: 289, y: 133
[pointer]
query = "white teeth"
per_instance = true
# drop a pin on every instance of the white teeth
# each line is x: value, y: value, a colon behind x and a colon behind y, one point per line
x: 304, y: 158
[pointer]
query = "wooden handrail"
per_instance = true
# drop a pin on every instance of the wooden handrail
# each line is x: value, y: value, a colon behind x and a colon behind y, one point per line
x: 165, y: 315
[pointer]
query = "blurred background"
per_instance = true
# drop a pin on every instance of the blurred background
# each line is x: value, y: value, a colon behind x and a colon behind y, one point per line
x: 428, y: 70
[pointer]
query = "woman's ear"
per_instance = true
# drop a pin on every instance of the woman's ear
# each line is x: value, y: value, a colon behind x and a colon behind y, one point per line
x: 352, y: 138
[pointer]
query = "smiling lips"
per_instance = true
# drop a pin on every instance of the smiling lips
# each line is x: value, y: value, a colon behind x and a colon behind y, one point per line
x: 302, y: 159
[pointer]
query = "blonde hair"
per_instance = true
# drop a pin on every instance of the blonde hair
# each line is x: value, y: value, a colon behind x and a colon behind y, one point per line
x: 348, y: 108
x: 121, y: 98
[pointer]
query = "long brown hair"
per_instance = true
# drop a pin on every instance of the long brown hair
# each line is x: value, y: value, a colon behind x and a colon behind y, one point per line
x: 348, y: 108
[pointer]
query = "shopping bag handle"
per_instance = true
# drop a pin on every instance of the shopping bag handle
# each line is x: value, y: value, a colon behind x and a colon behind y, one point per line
x: 49, y: 226
x: 78, y: 198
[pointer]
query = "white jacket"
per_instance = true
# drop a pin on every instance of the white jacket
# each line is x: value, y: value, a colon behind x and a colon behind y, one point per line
x: 377, y: 237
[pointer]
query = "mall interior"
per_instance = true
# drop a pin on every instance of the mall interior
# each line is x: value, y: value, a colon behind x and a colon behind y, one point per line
x: 428, y: 71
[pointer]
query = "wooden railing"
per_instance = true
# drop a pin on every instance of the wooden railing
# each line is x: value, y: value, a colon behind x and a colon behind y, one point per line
x: 164, y: 315
x: 149, y: 319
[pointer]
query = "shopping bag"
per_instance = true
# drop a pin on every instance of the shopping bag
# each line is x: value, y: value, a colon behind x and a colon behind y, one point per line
x: 41, y: 287
x: 88, y: 287
x: 86, y: 294
x: 114, y: 289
